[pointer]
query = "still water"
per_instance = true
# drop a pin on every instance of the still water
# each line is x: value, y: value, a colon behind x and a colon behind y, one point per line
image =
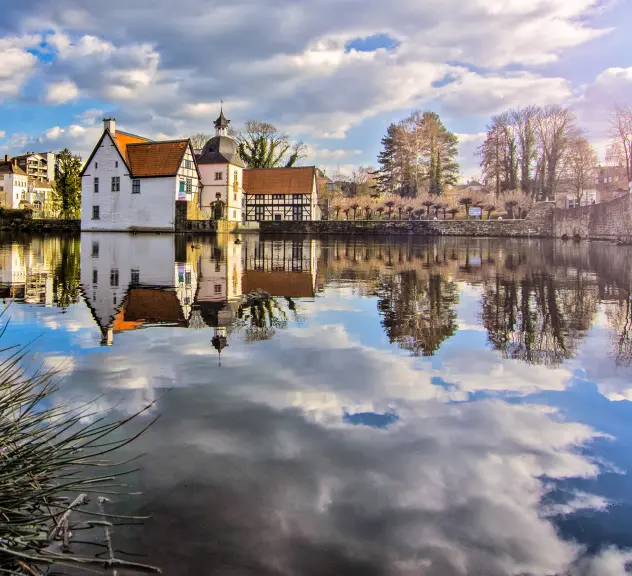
x: 346, y: 406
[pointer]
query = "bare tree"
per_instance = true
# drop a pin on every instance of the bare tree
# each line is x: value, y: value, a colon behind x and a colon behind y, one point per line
x: 261, y: 145
x: 199, y: 139
x: 555, y: 128
x: 621, y: 134
x: 580, y: 166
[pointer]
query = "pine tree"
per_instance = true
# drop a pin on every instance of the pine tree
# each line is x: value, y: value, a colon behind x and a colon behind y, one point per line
x: 387, y: 173
x: 67, y: 188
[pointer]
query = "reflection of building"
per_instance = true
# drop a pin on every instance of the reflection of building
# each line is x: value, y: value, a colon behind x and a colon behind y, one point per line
x: 25, y: 273
x: 284, y: 268
x: 129, y: 281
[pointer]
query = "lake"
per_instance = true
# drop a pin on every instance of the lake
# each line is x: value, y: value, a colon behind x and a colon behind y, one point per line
x: 380, y: 406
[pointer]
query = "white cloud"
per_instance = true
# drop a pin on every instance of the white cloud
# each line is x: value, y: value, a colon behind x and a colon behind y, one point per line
x: 61, y: 92
x: 3, y: 133
x: 16, y: 64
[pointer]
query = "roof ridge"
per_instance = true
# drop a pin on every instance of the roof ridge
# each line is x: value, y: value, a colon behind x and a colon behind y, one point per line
x: 130, y: 134
x: 284, y: 168
x: 158, y: 142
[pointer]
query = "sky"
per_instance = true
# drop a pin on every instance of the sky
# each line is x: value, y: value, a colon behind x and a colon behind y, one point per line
x: 333, y: 74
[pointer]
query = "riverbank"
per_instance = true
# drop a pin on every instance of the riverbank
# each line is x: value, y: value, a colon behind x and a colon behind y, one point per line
x: 18, y: 225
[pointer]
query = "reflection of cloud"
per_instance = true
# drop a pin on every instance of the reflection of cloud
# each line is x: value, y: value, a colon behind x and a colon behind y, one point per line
x: 476, y: 370
x: 579, y: 501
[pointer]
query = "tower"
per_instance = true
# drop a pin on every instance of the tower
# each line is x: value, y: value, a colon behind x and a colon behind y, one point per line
x: 221, y: 124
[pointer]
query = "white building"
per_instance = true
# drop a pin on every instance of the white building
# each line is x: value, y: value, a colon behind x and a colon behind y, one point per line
x: 39, y: 166
x: 132, y: 183
x: 13, y: 184
x: 221, y: 171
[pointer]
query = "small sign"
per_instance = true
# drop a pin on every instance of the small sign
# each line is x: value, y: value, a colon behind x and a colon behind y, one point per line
x: 476, y: 211
x: 182, y: 195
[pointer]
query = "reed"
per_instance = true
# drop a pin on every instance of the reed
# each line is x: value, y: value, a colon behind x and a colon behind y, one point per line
x: 53, y: 456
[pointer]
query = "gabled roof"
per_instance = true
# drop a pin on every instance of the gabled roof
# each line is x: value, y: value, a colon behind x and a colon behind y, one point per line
x: 279, y: 180
x: 154, y: 159
x: 10, y: 168
x: 123, y: 139
x: 146, y: 158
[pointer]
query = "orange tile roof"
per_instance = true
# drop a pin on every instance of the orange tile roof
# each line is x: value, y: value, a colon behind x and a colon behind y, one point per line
x: 156, y: 158
x: 122, y: 139
x: 280, y: 284
x: 153, y: 306
x: 121, y: 325
x: 279, y: 180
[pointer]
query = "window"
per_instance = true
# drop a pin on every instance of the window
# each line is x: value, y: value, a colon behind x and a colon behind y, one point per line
x: 234, y: 214
x: 234, y: 196
x: 259, y: 213
x: 114, y: 299
x: 114, y: 277
x: 96, y: 165
x: 96, y: 185
x: 218, y: 288
x: 95, y: 213
x: 135, y: 276
x: 235, y: 176
x: 135, y: 186
x: 95, y: 276
x: 95, y: 249
x: 218, y: 176
x: 116, y: 164
x: 183, y: 185
x: 297, y: 198
x: 188, y: 164
x: 277, y: 217
x: 189, y: 185
x: 187, y: 278
x: 116, y: 183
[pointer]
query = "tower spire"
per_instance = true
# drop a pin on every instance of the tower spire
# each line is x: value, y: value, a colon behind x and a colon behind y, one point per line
x: 221, y: 124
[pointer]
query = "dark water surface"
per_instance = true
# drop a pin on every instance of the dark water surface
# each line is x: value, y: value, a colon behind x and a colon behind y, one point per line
x: 384, y: 407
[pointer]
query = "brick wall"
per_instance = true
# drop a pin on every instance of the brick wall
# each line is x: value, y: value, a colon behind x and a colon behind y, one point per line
x: 539, y: 223
x: 606, y: 221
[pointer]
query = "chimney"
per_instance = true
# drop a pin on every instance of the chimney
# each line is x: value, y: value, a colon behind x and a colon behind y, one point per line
x: 110, y: 125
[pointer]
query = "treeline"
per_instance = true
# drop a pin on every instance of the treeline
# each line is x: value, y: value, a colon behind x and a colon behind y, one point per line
x: 419, y: 155
x: 534, y: 149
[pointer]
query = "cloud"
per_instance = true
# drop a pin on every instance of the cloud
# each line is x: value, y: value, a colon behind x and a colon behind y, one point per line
x: 16, y: 64
x: 61, y: 92
x: 3, y: 133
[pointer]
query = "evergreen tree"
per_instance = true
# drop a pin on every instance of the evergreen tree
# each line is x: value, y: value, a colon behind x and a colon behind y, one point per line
x: 67, y: 187
x: 387, y: 173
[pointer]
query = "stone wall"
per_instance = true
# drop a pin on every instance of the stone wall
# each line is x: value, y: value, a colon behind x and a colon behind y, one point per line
x: 539, y: 224
x: 607, y: 221
x: 41, y: 225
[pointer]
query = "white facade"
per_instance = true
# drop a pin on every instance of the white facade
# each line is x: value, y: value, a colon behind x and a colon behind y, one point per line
x: 13, y: 189
x: 227, y: 181
x: 112, y: 199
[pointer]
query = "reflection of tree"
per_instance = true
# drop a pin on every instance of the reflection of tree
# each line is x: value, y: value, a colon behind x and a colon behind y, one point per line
x: 418, y: 312
x: 620, y: 318
x: 261, y: 315
x: 67, y: 274
x: 537, y: 319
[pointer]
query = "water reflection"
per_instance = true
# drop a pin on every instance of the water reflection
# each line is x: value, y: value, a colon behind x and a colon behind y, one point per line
x: 384, y: 406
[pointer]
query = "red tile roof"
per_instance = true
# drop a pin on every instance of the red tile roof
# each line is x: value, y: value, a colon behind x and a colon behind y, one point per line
x: 122, y: 139
x: 156, y: 158
x: 279, y: 180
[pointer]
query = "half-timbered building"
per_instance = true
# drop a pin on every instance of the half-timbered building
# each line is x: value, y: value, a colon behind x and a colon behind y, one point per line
x: 280, y: 194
